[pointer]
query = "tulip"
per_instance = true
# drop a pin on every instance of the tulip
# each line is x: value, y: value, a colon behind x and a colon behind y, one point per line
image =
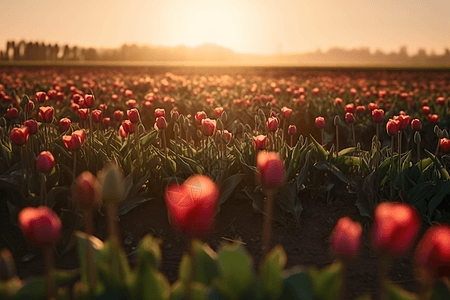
x: 86, y: 191
x: 40, y: 226
x: 338, y: 101
x: 131, y: 103
x: 349, y: 108
x: 350, y: 118
x: 133, y: 115
x: 270, y: 170
x: 218, y: 111
x: 433, y: 118
x: 161, y: 123
x: 208, y: 127
x: 128, y: 126
x: 192, y: 205
x: 106, y: 122
x: 347, y: 239
x: 64, y: 124
x: 199, y: 116
x: 118, y: 115
x: 261, y: 142
x: 393, y: 127
x: 444, y: 144
x: 292, y: 129
x: 83, y: 113
x: 372, y: 107
x: 12, y: 113
x: 404, y: 121
x: 320, y: 122
x: 440, y: 100
x: 160, y: 112
x: 432, y: 257
x: 395, y: 228
x: 45, y: 162
x: 416, y: 125
x: 103, y: 107
x: 272, y: 124
x: 377, y: 115
x: 40, y: 97
x: 426, y: 110
x: 89, y: 100
x: 225, y: 135
x: 46, y: 113
x: 360, y: 109
x: 32, y: 126
x: 286, y: 112
x: 97, y: 115
x: 19, y: 136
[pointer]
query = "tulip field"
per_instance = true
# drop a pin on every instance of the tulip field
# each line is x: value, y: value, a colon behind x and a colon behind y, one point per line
x: 224, y: 183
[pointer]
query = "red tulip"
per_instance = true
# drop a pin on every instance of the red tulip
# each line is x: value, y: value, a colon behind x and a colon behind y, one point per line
x: 128, y: 93
x: 393, y: 127
x: 272, y: 124
x: 32, y: 126
x: 373, y: 106
x: 160, y: 112
x: 440, y: 100
x: 225, y: 134
x: 199, y: 116
x: 444, y: 144
x: 416, y: 125
x: 292, y: 129
x: 103, y: 107
x: 12, y: 113
x: 286, y: 112
x: 133, y: 115
x: 260, y: 142
x: 377, y: 115
x: 432, y: 256
x: 192, y: 205
x: 106, y: 122
x: 19, y: 136
x: 360, y: 109
x: 218, y: 111
x: 347, y: 239
x: 40, y: 97
x: 404, y: 121
x: 89, y: 100
x: 349, y: 108
x: 40, y: 226
x: 122, y: 132
x: 83, y: 113
x: 64, y: 124
x: 131, y: 103
x: 426, y: 110
x: 29, y: 106
x: 118, y: 115
x: 208, y: 127
x: 270, y: 170
x: 433, y: 118
x: 86, y: 191
x: 350, y: 118
x: 395, y: 228
x: 161, y: 123
x: 97, y: 115
x: 338, y: 101
x: 45, y: 162
x: 46, y: 113
x: 320, y: 122
x: 75, y: 141
x: 128, y: 126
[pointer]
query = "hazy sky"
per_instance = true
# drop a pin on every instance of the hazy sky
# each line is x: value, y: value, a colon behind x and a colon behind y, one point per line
x: 248, y: 26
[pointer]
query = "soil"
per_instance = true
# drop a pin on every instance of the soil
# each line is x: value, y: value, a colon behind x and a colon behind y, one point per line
x: 307, y: 244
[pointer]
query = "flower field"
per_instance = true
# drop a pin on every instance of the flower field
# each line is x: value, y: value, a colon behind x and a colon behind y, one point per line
x: 345, y: 172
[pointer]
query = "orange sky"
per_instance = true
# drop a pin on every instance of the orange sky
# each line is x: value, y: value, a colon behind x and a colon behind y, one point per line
x: 247, y: 26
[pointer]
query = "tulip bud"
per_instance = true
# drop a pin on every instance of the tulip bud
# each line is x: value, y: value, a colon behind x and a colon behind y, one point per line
x: 347, y: 239
x: 350, y: 118
x: 320, y: 122
x: 208, y: 127
x: 45, y: 162
x: 46, y: 113
x: 161, y: 123
x: 377, y: 115
x: 40, y: 226
x: 224, y: 116
x: 272, y: 124
x: 337, y: 121
x: 392, y: 127
x: 270, y: 170
x: 286, y: 112
x: 86, y: 191
x: 97, y: 115
x: 395, y: 228
x: 19, y: 136
x: 292, y: 129
x: 199, y: 116
x: 444, y: 144
x: 32, y: 126
x: 64, y: 124
x: 133, y: 115
x: 260, y: 142
x: 112, y: 186
x: 118, y: 115
x: 417, y: 137
x: 416, y: 125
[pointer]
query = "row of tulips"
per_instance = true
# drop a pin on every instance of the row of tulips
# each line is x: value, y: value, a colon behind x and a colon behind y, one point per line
x: 227, y: 274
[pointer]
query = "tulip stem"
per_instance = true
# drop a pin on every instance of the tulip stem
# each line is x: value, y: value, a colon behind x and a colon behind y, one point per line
x: 192, y: 275
x: 384, y: 268
x: 74, y: 165
x: 90, y: 256
x: 399, y: 152
x: 111, y: 212
x: 43, y: 194
x: 392, y: 167
x: 267, y: 227
x: 344, y: 271
x: 353, y: 135
x: 48, y: 260
x: 322, y: 136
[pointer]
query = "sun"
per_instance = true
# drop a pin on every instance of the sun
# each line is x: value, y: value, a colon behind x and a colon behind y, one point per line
x: 195, y: 23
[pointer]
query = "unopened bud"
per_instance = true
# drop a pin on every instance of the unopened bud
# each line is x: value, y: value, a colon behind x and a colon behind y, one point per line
x: 445, y: 132
x: 248, y: 128
x: 224, y: 116
x: 358, y: 146
x: 440, y: 134
x: 2, y: 122
x: 7, y: 266
x: 337, y: 121
x: 176, y: 128
x: 219, y: 124
x: 436, y: 129
x: 199, y: 133
x: 417, y: 138
x: 111, y: 182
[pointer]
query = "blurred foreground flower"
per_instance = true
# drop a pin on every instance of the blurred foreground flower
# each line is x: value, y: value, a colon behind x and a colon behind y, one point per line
x: 40, y: 226
x: 192, y: 205
x: 347, y: 239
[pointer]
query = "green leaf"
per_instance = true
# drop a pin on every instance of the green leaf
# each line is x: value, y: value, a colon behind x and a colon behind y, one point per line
x: 298, y: 284
x: 441, y: 291
x: 206, y: 265
x: 347, y: 151
x: 327, y: 166
x: 270, y: 273
x: 327, y: 281
x: 150, y: 249
x: 366, y: 191
x: 321, y: 152
x: 303, y: 172
x: 237, y: 271
x: 396, y: 293
x: 228, y: 186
